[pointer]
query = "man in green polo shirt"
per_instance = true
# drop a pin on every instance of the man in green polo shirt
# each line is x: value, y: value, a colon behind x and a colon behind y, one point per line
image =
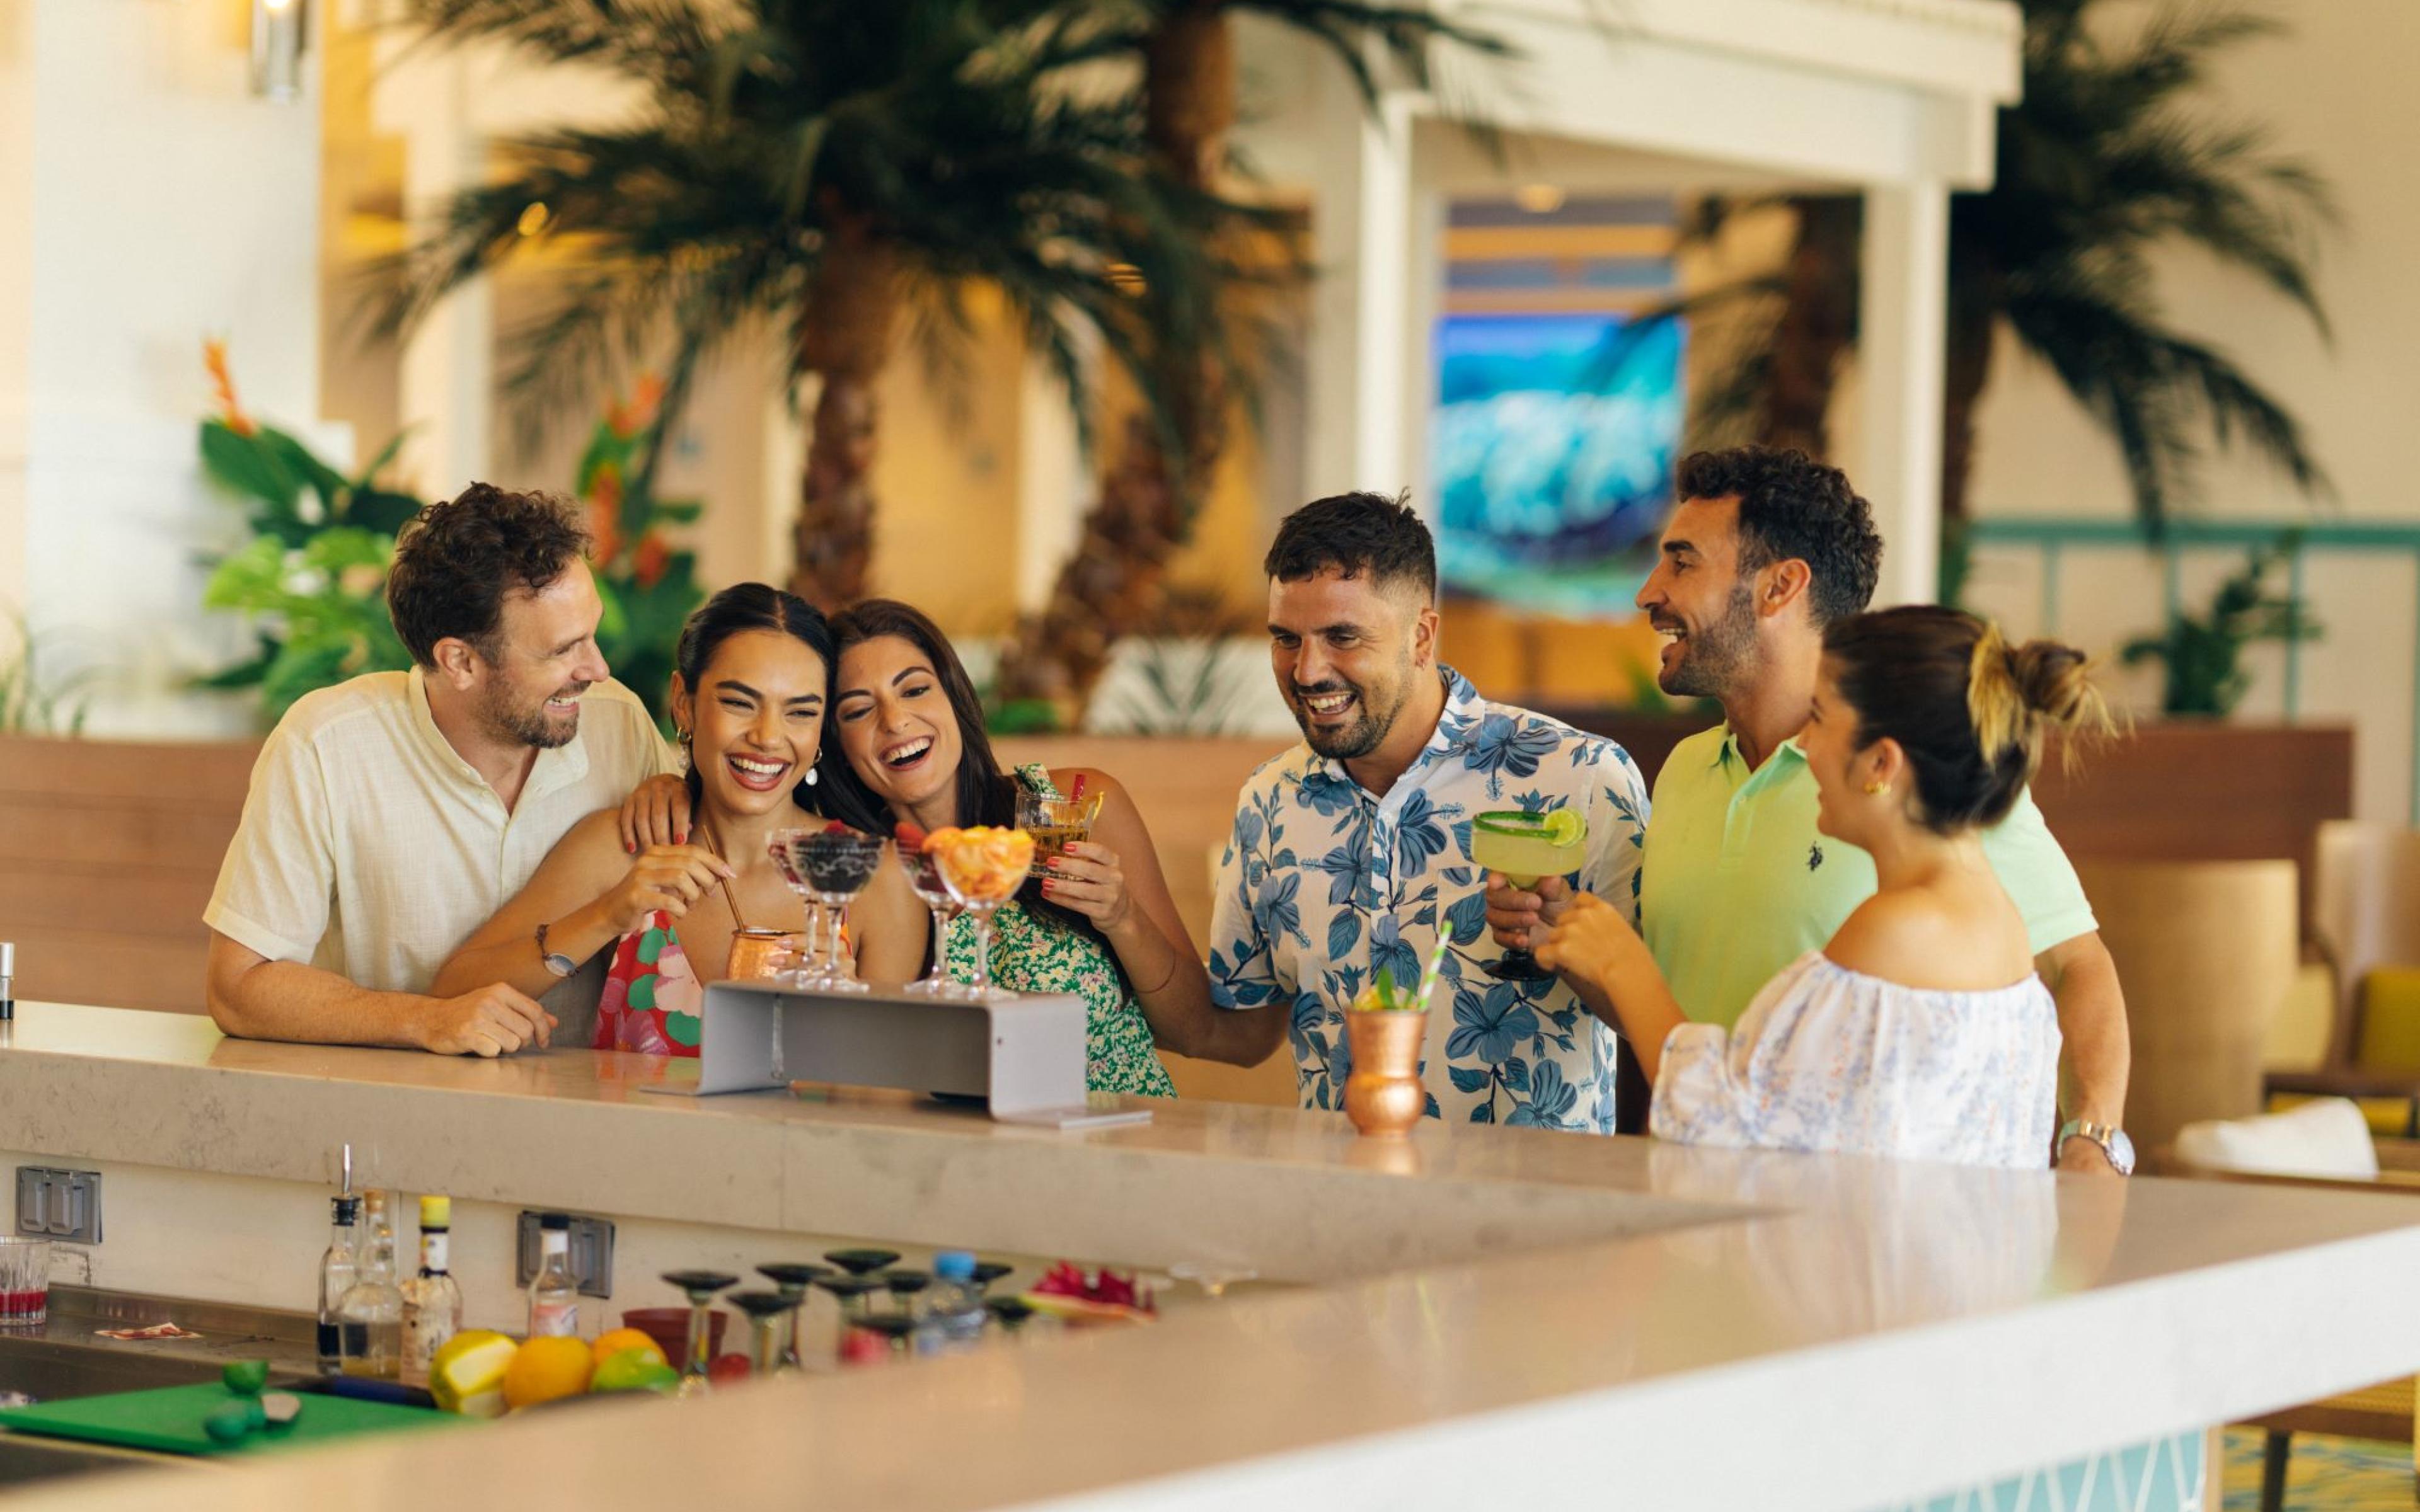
x: 1765, y: 549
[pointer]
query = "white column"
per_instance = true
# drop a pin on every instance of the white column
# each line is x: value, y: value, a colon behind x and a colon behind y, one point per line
x: 1053, y: 483
x: 1382, y: 276
x: 448, y: 376
x: 1902, y: 338
x: 16, y: 303
x: 152, y: 201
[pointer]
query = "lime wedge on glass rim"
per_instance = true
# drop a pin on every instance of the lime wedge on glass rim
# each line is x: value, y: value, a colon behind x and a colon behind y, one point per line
x: 1556, y: 826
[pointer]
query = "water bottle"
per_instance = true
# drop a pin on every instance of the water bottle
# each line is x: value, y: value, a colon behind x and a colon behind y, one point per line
x: 953, y: 1315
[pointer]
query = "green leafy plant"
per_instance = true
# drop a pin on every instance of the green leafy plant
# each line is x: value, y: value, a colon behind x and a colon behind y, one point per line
x: 1184, y: 679
x: 313, y: 578
x: 34, y: 702
x: 649, y: 584
x: 2203, y: 654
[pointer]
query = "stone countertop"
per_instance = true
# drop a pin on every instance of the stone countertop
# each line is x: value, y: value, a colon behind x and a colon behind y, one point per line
x: 1485, y: 1309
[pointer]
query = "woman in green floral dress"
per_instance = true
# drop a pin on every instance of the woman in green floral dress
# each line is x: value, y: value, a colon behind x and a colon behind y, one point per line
x: 906, y: 731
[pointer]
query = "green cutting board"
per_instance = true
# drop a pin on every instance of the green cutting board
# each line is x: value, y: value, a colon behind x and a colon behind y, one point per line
x: 170, y: 1420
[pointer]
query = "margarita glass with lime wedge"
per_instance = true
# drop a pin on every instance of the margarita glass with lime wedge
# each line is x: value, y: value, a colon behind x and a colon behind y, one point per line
x: 1524, y: 848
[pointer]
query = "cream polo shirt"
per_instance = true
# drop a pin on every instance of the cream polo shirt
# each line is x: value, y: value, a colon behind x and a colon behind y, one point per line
x: 370, y: 848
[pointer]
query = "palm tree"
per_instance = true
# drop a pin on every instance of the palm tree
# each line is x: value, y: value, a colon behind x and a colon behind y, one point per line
x: 2101, y: 165
x: 1151, y: 493
x: 828, y: 167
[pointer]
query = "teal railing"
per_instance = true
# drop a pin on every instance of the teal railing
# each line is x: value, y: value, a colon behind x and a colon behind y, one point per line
x: 2053, y: 538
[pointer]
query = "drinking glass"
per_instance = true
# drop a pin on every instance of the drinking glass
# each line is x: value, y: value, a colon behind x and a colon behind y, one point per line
x: 905, y: 1287
x: 1523, y: 848
x: 851, y: 1293
x: 700, y: 1288
x: 24, y: 1282
x: 924, y: 878
x: 837, y: 864
x: 765, y: 1310
x: 802, y: 970
x: 1055, y: 823
x: 792, y: 1278
x: 982, y: 869
x: 861, y: 1262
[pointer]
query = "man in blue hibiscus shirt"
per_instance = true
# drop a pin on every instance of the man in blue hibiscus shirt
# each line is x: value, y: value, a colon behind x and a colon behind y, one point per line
x: 1351, y: 853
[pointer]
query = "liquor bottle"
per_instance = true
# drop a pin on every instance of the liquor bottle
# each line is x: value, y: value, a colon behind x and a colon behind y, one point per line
x: 371, y: 1312
x: 337, y: 1267
x: 432, y: 1301
x: 554, y: 1294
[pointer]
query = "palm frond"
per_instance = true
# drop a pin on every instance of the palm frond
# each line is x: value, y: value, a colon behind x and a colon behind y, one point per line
x: 655, y: 40
x: 2152, y: 388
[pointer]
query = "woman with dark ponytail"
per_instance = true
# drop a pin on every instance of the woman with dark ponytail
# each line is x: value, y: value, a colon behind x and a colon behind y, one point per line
x: 749, y: 697
x: 1920, y: 1031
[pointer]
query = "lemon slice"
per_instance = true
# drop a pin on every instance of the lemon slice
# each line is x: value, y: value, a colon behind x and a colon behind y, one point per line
x: 468, y: 1374
x: 1564, y: 826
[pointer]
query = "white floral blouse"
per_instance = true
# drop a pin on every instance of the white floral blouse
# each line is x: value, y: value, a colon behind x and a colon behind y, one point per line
x: 1832, y: 1059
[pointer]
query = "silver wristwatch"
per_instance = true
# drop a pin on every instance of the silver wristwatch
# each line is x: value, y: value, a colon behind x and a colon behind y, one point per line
x: 557, y: 963
x: 2111, y: 1139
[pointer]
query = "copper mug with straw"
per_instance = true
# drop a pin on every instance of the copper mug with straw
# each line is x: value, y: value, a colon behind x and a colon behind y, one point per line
x: 759, y: 954
x: 1384, y: 1096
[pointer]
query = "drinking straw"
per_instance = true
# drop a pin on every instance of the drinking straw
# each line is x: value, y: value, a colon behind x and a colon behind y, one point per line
x: 1429, y: 973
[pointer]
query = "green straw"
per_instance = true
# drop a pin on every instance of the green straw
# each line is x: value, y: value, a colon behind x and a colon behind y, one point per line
x: 1429, y: 973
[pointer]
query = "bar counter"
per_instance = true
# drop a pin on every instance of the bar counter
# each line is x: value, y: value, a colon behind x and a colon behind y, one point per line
x: 1474, y: 1316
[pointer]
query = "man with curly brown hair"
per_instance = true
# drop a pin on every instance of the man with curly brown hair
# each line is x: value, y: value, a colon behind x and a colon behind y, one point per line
x: 390, y: 816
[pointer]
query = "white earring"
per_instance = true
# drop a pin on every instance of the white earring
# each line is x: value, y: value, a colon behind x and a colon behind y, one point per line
x: 814, y: 776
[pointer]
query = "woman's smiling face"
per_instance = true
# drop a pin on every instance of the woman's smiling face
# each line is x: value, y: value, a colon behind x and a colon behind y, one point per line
x: 896, y: 726
x: 755, y: 720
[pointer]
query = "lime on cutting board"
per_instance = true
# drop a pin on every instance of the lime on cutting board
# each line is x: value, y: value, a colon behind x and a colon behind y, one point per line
x: 171, y: 1419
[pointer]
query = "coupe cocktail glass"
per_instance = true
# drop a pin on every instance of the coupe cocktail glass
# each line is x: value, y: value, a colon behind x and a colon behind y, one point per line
x: 764, y: 1310
x: 905, y: 1287
x: 1523, y: 848
x: 983, y: 868
x: 700, y: 1288
x: 802, y: 969
x: 837, y: 863
x: 792, y: 1277
x: 924, y: 878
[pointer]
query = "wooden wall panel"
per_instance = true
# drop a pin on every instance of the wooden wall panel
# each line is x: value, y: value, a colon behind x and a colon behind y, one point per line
x: 108, y: 850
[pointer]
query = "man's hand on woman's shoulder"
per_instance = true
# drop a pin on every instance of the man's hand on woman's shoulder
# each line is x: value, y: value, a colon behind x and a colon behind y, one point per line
x: 656, y: 813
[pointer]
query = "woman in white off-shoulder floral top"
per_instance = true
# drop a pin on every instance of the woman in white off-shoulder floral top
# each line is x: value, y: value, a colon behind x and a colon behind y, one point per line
x: 1919, y: 1031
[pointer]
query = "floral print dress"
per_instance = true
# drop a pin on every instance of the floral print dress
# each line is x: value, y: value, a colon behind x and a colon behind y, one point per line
x: 654, y: 1002
x: 1031, y: 954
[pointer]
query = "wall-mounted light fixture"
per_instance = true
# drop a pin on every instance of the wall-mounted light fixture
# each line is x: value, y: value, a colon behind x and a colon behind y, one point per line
x: 277, y: 42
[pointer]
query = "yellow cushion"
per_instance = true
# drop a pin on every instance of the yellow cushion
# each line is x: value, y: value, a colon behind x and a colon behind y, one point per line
x: 2390, y: 1020
x: 2387, y: 1117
